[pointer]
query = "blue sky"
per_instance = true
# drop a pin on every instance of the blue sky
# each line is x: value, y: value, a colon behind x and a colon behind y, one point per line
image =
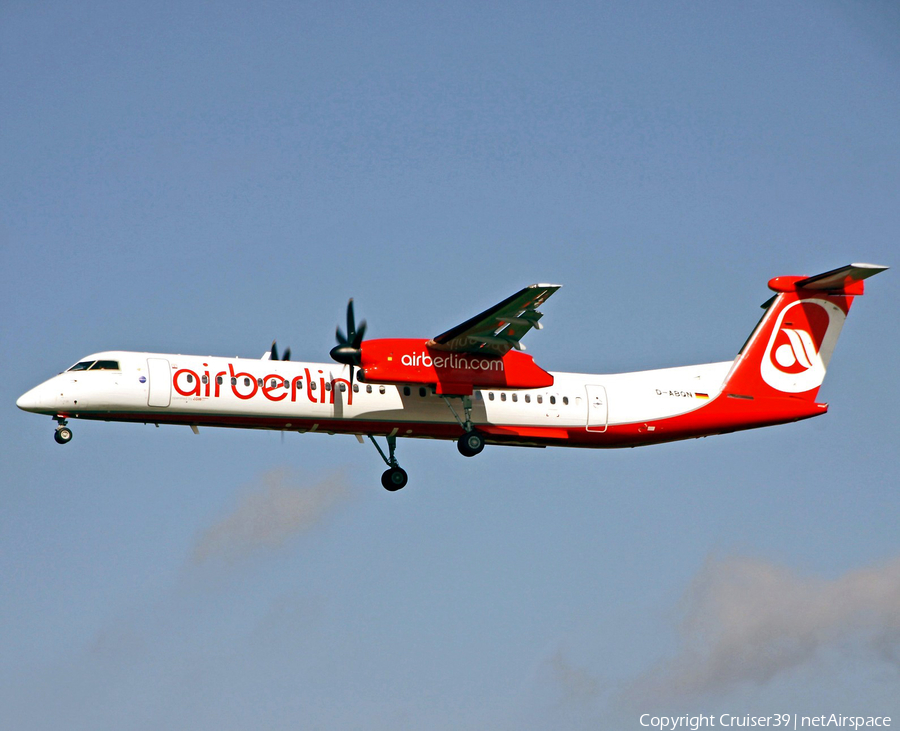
x: 202, y: 178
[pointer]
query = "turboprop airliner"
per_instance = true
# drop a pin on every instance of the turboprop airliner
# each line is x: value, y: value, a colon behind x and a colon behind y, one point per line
x: 474, y: 384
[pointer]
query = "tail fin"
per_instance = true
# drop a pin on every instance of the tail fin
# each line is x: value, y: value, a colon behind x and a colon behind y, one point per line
x: 789, y: 350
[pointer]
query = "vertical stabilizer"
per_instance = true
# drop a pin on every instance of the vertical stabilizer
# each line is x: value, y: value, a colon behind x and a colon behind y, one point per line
x: 788, y: 353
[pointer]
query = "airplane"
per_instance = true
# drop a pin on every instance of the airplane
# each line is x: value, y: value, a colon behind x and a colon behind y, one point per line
x: 474, y: 384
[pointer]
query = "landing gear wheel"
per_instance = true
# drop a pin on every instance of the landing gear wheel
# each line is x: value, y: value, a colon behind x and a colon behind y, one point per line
x: 394, y: 479
x: 63, y: 435
x: 470, y: 443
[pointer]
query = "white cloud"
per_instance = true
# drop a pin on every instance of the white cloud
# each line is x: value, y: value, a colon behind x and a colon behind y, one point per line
x: 749, y: 620
x: 276, y: 507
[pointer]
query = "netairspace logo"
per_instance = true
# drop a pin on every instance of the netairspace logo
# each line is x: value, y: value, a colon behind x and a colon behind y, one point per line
x: 784, y: 720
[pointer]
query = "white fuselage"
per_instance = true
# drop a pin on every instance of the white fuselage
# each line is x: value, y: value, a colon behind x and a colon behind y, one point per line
x: 290, y: 395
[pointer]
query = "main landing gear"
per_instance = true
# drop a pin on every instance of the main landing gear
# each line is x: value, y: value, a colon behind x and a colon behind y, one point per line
x: 63, y: 434
x: 472, y: 440
x: 394, y: 477
x: 469, y: 444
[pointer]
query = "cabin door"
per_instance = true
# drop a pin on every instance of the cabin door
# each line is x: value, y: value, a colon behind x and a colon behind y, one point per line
x: 160, y: 382
x: 597, y: 408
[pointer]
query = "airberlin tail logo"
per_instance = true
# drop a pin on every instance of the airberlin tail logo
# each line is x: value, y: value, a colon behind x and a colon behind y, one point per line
x: 801, y: 345
x: 799, y: 352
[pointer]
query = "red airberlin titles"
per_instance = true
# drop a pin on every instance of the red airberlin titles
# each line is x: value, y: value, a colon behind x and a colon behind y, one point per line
x: 244, y: 385
x: 472, y: 383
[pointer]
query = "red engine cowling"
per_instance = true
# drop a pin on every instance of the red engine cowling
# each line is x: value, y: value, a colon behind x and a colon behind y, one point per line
x: 416, y: 361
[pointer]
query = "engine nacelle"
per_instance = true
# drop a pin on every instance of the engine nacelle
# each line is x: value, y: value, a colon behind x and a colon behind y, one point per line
x: 421, y: 362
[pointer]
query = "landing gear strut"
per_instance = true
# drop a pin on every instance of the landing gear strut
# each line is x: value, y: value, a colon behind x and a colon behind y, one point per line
x: 63, y: 434
x: 472, y: 441
x: 394, y: 477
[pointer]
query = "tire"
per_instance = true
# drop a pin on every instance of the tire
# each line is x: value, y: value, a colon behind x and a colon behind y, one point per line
x: 394, y: 479
x: 63, y: 435
x: 470, y: 443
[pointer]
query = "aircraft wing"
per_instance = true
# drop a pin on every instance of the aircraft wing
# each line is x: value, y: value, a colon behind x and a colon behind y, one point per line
x: 501, y: 327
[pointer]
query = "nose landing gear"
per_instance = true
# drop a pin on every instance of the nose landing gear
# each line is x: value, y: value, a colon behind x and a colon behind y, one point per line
x: 63, y: 434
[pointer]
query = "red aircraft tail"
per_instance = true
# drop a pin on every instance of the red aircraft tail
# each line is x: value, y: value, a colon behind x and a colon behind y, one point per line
x: 788, y: 352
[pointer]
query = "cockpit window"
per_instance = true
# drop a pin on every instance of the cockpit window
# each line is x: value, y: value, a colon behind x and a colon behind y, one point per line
x: 96, y: 365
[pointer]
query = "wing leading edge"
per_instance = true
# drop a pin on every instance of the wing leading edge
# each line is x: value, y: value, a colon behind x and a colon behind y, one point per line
x: 499, y: 328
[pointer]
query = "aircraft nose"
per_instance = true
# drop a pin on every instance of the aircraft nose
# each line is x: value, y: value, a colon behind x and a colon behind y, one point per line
x: 30, y: 400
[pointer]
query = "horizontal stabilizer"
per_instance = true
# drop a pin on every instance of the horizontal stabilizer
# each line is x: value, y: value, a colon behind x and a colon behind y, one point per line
x: 846, y: 280
x: 840, y: 278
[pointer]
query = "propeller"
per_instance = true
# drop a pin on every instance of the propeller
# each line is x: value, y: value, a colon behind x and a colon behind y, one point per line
x: 348, y: 349
x: 274, y: 351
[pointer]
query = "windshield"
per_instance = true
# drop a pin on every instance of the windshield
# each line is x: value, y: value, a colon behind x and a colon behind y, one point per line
x: 96, y: 365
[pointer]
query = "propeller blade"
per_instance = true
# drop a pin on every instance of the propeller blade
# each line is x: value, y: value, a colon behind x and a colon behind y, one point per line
x: 348, y: 348
x: 351, y: 320
x: 357, y: 340
x: 274, y: 351
x: 287, y: 354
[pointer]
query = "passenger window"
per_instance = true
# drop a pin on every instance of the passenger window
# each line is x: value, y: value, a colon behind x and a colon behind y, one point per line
x: 190, y: 378
x: 205, y: 379
x: 342, y: 386
x: 422, y: 391
x: 527, y: 398
x: 540, y: 399
x: 233, y: 381
x: 406, y: 390
x: 327, y: 386
x: 287, y: 384
x: 312, y: 385
x: 515, y: 397
x: 566, y: 400
x: 219, y: 380
x: 503, y: 396
x: 553, y: 399
x: 246, y: 381
x: 369, y: 388
x: 259, y: 382
x: 381, y: 389
x: 355, y: 388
